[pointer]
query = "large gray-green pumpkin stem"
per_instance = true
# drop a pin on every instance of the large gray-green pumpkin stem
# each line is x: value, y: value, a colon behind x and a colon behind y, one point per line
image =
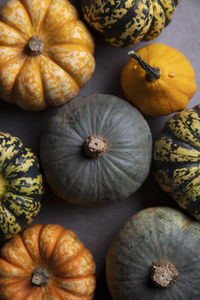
x: 153, y: 74
x: 163, y: 274
x: 95, y: 146
x: 40, y: 277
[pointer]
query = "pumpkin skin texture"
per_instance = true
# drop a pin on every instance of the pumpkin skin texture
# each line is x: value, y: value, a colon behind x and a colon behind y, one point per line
x: 46, y: 262
x: 21, y: 185
x: 46, y: 53
x: 113, y: 176
x: 155, y: 234
x: 125, y: 22
x: 169, y: 91
x: 176, y: 156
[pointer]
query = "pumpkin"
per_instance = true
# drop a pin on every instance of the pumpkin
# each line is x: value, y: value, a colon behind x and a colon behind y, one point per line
x: 156, y: 255
x: 123, y: 23
x: 21, y: 185
x: 96, y: 149
x: 45, y: 53
x: 158, y: 80
x: 176, y: 156
x: 46, y: 262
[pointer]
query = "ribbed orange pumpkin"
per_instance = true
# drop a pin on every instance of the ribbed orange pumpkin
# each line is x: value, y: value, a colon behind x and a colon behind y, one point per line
x: 45, y: 53
x: 46, y: 262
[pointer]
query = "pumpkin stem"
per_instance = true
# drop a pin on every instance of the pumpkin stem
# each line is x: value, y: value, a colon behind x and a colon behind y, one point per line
x: 95, y: 146
x: 163, y: 274
x: 35, y: 46
x: 152, y: 74
x: 40, y: 277
x: 2, y: 185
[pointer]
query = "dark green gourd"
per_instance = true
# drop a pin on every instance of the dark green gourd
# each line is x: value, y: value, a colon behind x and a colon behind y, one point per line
x: 96, y: 149
x: 177, y: 159
x: 126, y: 22
x: 21, y: 185
x: 156, y: 255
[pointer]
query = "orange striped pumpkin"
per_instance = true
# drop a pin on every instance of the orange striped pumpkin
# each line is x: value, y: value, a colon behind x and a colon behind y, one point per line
x: 46, y: 53
x: 46, y: 262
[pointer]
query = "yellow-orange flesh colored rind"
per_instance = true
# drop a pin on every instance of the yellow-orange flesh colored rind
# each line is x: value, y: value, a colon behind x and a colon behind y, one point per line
x: 66, y: 64
x: 166, y: 95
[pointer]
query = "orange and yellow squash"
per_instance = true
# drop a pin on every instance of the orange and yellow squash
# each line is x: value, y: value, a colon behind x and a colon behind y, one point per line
x: 46, y: 262
x: 46, y: 53
x: 158, y: 80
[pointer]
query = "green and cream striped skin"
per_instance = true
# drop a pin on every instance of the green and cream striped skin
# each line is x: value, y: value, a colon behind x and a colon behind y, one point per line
x: 21, y: 185
x: 177, y: 159
x: 125, y: 22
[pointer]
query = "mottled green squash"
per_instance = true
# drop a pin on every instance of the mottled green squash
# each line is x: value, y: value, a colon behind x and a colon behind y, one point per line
x: 126, y: 22
x: 96, y: 149
x: 21, y: 185
x: 177, y: 159
x: 156, y: 255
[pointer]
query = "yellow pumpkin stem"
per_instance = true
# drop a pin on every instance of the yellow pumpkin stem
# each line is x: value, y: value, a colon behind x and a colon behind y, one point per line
x: 35, y: 46
x: 153, y: 74
x: 163, y: 274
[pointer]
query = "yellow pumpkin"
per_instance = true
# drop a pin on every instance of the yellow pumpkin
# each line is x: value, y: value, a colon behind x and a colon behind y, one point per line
x: 46, y: 53
x: 158, y: 80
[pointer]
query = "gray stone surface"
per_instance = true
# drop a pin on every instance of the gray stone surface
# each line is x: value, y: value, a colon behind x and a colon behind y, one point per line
x: 96, y: 226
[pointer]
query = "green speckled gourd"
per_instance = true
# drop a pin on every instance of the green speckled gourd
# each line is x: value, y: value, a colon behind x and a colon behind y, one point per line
x: 96, y: 149
x: 123, y: 23
x: 21, y: 185
x: 156, y: 255
x: 177, y: 159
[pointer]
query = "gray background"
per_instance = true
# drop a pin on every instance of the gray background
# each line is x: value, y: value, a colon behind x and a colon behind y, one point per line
x: 96, y: 226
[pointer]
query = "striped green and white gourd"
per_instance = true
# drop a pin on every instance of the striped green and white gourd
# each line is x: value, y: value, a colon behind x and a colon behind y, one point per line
x: 125, y: 22
x: 177, y: 159
x: 21, y: 185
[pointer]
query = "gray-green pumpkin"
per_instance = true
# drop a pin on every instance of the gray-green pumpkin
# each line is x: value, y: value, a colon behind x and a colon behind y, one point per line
x: 156, y: 255
x: 96, y: 149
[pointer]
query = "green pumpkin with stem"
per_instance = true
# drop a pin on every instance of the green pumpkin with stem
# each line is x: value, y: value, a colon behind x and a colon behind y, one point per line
x: 96, y: 149
x: 156, y: 255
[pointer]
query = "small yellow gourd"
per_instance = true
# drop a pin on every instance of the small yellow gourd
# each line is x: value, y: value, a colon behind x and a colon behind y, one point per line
x: 158, y: 80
